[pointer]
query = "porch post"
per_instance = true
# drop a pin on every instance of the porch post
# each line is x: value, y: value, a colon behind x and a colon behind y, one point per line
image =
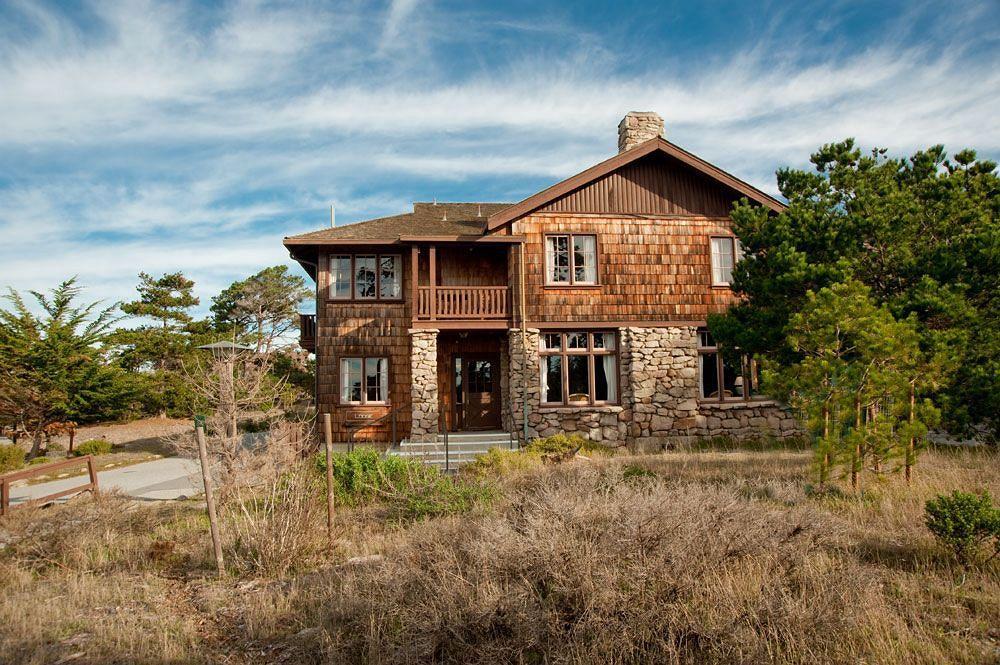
x: 433, y: 276
x: 423, y: 385
x: 415, y: 281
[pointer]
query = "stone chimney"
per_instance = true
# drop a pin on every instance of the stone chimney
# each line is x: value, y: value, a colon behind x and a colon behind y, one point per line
x: 638, y: 127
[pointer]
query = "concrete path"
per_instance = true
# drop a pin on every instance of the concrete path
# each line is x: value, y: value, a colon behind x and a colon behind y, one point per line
x: 167, y: 478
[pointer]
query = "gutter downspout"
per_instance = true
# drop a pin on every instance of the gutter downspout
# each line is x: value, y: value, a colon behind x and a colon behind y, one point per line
x: 524, y: 344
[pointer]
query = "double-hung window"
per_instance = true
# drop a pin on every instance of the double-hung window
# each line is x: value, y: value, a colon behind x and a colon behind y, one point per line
x: 721, y: 380
x: 725, y: 253
x: 366, y: 277
x: 571, y: 259
x: 364, y: 380
x: 579, y: 368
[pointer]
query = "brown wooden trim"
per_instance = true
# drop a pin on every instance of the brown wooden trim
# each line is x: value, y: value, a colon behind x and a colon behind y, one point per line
x: 288, y: 241
x: 497, y: 324
x: 505, y: 239
x: 536, y: 201
x: 414, y: 280
x: 599, y: 325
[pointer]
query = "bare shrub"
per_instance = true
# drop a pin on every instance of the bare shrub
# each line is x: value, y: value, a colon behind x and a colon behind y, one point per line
x: 276, y: 527
x: 587, y: 566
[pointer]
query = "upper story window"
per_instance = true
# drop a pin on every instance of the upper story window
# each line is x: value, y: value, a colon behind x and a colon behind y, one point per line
x: 366, y: 277
x: 722, y: 381
x: 579, y: 368
x: 571, y: 259
x: 725, y: 253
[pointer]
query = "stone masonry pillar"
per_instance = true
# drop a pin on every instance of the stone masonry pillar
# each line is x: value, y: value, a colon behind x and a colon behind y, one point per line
x: 424, y: 386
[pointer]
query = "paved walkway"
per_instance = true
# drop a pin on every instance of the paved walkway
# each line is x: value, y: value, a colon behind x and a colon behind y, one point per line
x: 167, y: 478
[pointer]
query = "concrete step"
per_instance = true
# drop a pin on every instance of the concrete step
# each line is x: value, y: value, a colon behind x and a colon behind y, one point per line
x: 484, y: 437
x: 453, y: 446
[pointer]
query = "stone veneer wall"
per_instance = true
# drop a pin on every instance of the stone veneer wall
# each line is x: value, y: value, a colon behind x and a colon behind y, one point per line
x: 659, y: 396
x: 424, y: 387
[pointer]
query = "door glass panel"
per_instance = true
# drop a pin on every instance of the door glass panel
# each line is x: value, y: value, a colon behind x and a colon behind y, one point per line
x: 480, y: 376
x: 459, y: 388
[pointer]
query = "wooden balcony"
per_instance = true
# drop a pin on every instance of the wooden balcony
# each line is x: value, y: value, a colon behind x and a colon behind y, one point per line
x: 307, y: 332
x: 463, y: 303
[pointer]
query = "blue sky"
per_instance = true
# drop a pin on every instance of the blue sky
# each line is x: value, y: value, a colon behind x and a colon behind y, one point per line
x: 160, y: 136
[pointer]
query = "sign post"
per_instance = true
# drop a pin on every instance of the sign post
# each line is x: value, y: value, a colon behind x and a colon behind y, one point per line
x: 213, y: 522
x: 328, y: 437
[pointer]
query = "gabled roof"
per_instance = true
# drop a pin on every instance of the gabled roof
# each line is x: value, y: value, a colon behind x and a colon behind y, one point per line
x: 661, y: 145
x: 426, y: 220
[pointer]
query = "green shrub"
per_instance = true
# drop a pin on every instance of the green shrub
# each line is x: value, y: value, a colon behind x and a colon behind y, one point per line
x: 500, y: 462
x: 963, y: 522
x: 11, y: 457
x: 433, y: 494
x: 408, y: 488
x: 562, y: 443
x: 93, y: 447
x: 364, y: 474
x: 634, y: 472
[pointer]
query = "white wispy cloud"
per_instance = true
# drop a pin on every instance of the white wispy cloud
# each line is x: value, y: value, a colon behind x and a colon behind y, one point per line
x: 164, y: 135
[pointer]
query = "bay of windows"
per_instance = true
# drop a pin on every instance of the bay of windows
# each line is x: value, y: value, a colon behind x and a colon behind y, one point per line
x: 722, y: 381
x: 364, y: 380
x: 366, y: 277
x: 579, y: 368
x: 571, y: 259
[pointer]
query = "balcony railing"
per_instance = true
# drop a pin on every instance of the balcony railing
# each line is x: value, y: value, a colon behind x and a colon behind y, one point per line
x: 463, y: 303
x: 307, y: 331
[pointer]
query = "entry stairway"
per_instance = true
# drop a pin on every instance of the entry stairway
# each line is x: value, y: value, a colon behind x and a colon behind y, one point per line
x: 461, y: 448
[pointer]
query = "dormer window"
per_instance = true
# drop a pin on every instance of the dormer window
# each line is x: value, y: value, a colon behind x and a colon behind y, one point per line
x: 571, y: 259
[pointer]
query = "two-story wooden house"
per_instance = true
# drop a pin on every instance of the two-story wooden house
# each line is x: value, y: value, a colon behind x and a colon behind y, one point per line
x: 581, y: 308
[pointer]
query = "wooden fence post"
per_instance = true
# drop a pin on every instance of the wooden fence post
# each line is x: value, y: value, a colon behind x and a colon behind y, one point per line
x: 4, y: 496
x: 328, y: 436
x: 209, y: 499
x: 92, y: 471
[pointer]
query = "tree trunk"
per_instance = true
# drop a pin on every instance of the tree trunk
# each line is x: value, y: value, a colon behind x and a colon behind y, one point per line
x: 856, y: 462
x: 910, y: 445
x: 825, y: 463
x: 36, y: 444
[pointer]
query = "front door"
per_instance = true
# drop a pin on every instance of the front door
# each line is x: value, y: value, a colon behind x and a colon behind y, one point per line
x: 477, y: 392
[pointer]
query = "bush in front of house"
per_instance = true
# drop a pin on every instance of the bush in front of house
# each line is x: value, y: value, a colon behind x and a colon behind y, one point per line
x: 500, y: 462
x: 93, y: 447
x: 964, y: 522
x: 408, y: 488
x: 563, y: 444
x: 11, y: 457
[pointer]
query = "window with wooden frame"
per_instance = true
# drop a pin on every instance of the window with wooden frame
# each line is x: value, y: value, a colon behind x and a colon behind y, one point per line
x: 725, y: 253
x: 579, y: 368
x: 571, y: 259
x: 722, y: 382
x: 364, y: 380
x: 366, y: 277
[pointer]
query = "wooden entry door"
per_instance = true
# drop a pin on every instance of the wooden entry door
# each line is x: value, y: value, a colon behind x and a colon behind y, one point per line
x: 477, y: 392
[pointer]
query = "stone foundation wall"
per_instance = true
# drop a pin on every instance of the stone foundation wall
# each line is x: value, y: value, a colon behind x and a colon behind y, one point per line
x: 424, y: 389
x: 659, y: 401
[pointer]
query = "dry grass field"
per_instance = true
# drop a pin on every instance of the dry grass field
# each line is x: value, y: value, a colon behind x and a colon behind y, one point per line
x: 715, y: 557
